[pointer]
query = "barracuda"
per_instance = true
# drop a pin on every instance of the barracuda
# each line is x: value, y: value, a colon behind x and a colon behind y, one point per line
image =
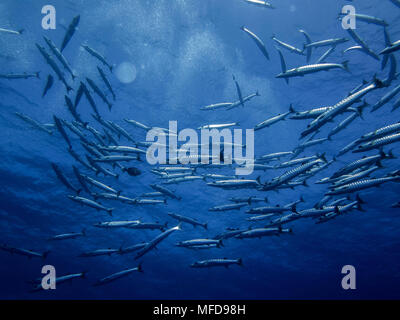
x: 369, y: 19
x: 385, y: 99
x: 70, y: 31
x: 100, y: 185
x: 312, y: 68
x: 18, y: 32
x: 228, y: 207
x: 260, y: 217
x: 362, y: 184
x: 285, y: 219
x: 11, y: 76
x: 260, y: 44
x: 72, y: 235
x: 106, y: 81
x: 260, y: 3
x: 288, y: 46
x: 236, y: 184
x: 392, y: 128
x: 294, y: 162
x: 262, y: 232
x: 153, y: 243
x: 91, y: 203
x: 289, y: 175
x: 275, y: 156
x: 216, y: 263
x: 148, y: 226
x: 343, y: 125
x: 395, y: 46
x: 362, y: 43
x: 24, y: 252
x: 200, y: 243
x: 54, y: 66
x: 59, y: 56
x: 112, y: 196
x: 100, y: 93
x: 216, y: 106
x: 249, y: 200
x: 245, y: 99
x: 354, y: 177
x: 138, y: 124
x: 340, y: 107
x: 363, y: 162
x: 189, y: 220
x: 118, y: 275
x: 116, y: 224
x: 33, y: 122
x: 99, y: 168
x: 97, y: 55
x: 115, y: 159
x: 165, y: 191
x: 278, y: 209
x: 63, y: 179
x: 274, y: 120
x: 324, y: 43
x: 326, y: 55
x: 219, y: 126
x: 378, y: 143
x: 132, y: 248
x: 314, y: 113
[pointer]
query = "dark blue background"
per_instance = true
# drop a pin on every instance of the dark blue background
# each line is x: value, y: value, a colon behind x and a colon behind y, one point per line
x: 185, y: 53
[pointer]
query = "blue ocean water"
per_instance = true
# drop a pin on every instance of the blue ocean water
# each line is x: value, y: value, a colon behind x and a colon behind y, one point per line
x: 185, y: 52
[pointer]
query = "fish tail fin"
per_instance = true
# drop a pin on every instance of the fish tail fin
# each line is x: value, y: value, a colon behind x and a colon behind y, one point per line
x: 69, y: 89
x: 139, y: 268
x: 379, y: 83
x: 220, y: 243
x: 21, y: 31
x: 302, y: 199
x: 240, y: 262
x: 291, y: 109
x: 360, y: 208
x: 257, y: 93
x: 258, y: 179
x: 294, y: 209
x: 266, y: 199
x: 359, y: 200
x: 345, y: 65
x: 37, y: 74
x: 111, y: 68
x: 205, y: 226
x: 84, y: 273
x: 78, y: 191
x: 323, y: 157
x: 45, y: 254
x: 305, y: 184
x: 84, y: 231
x: 109, y: 211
